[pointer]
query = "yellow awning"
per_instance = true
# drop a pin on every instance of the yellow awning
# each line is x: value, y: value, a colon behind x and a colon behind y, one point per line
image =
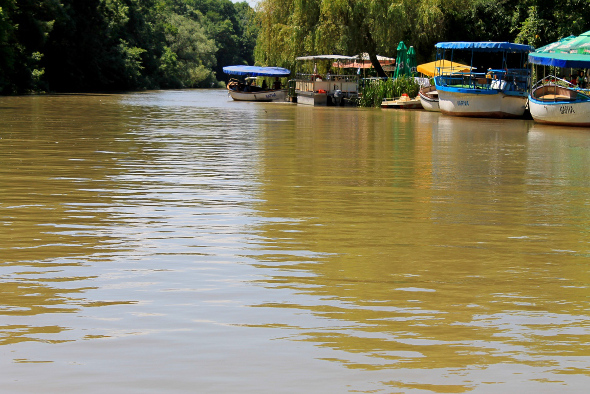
x: 442, y: 67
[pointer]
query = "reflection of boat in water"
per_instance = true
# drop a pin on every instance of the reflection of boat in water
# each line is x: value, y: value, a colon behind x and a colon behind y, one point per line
x: 429, y: 98
x: 500, y: 93
x: 557, y: 101
x: 559, y: 104
x: 403, y: 102
x: 249, y: 91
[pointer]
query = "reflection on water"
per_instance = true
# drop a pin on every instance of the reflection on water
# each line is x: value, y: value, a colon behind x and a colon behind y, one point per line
x: 177, y: 234
x: 447, y: 244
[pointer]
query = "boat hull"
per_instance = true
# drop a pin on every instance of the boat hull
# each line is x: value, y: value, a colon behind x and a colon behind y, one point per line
x: 312, y: 98
x: 429, y: 99
x: 402, y: 104
x: 567, y: 113
x: 485, y: 103
x: 261, y: 96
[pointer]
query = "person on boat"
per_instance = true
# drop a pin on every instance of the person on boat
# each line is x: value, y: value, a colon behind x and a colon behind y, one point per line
x: 264, y: 85
x: 277, y: 84
x: 581, y: 80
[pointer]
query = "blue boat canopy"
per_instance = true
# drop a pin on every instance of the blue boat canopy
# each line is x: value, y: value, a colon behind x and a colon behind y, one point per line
x: 256, y: 71
x: 563, y: 60
x: 569, y: 52
x: 485, y: 46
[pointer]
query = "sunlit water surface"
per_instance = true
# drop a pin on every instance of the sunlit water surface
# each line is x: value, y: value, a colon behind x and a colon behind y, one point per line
x: 176, y: 241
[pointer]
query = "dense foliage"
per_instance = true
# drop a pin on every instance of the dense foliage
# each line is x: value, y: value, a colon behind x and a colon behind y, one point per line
x: 89, y: 45
x: 374, y: 91
x: 291, y: 28
x: 86, y: 45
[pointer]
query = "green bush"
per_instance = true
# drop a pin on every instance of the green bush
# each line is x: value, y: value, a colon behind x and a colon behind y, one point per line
x: 374, y: 91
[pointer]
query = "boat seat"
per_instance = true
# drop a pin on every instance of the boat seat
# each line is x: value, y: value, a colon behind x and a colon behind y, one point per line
x: 554, y: 93
x: 554, y: 97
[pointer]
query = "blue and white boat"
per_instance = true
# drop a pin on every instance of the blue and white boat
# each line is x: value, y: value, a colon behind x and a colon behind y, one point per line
x: 555, y: 100
x: 247, y: 91
x: 484, y: 92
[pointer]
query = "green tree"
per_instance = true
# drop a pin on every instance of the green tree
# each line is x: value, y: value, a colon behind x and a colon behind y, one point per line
x: 291, y: 28
x: 189, y: 54
x: 7, y: 52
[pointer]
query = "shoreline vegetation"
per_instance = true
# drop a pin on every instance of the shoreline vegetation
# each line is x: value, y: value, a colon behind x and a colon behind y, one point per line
x: 69, y: 46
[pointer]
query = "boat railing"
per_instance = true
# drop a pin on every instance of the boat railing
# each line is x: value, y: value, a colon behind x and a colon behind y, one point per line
x: 335, y: 85
x: 553, y: 80
x: 506, y: 80
x: 553, y: 89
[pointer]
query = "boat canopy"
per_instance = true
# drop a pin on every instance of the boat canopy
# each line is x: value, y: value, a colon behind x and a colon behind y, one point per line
x: 362, y: 61
x: 328, y: 57
x: 485, y: 46
x: 569, y: 52
x: 440, y: 67
x: 256, y: 71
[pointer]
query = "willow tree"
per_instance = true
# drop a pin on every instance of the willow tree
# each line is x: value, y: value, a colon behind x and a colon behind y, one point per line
x: 290, y: 28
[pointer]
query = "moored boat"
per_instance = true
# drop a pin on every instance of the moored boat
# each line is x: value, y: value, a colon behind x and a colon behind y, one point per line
x: 329, y: 89
x: 555, y: 100
x: 497, y: 93
x: 429, y: 98
x: 247, y: 91
x: 428, y: 93
x: 403, y: 102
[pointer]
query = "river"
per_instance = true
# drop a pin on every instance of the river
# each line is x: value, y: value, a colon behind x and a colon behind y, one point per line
x: 177, y: 241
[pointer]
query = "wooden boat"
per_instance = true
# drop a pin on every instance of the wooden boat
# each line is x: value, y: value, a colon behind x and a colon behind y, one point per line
x: 246, y: 91
x: 429, y: 98
x: 500, y: 93
x: 403, y: 102
x: 556, y: 101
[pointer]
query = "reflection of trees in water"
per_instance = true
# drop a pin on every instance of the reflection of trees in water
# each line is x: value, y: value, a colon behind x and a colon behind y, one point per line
x: 418, y: 245
x: 57, y: 157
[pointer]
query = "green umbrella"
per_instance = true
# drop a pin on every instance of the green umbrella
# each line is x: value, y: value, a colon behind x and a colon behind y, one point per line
x: 412, y: 63
x: 569, y: 52
x: 401, y: 61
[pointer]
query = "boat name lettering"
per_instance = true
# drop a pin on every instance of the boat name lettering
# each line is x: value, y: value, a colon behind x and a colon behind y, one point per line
x: 271, y: 95
x: 463, y: 103
x: 566, y: 109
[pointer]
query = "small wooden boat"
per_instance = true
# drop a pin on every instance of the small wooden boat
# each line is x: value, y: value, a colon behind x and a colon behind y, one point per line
x: 403, y: 102
x: 429, y: 98
x: 248, y: 91
x: 562, y: 104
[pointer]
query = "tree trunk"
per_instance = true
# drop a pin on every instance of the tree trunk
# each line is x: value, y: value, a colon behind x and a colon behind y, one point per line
x: 372, y: 51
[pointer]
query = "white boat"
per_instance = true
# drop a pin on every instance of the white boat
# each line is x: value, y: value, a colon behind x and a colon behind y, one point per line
x: 329, y: 89
x: 556, y: 101
x: 500, y: 93
x: 261, y: 95
x: 248, y: 91
x: 429, y: 98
